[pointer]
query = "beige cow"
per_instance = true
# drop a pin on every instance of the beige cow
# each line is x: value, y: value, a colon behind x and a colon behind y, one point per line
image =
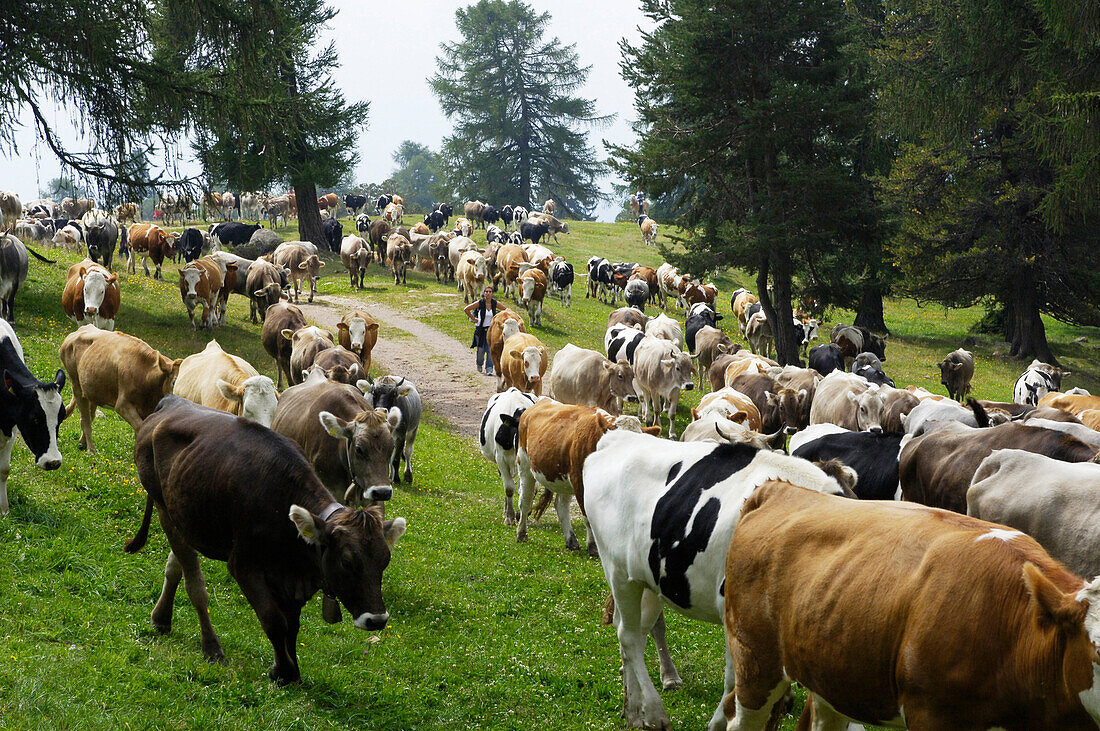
x: 228, y: 383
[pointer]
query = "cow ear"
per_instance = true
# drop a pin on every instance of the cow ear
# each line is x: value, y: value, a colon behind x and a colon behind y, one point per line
x: 363, y: 385
x: 1052, y: 605
x: 303, y: 265
x: 229, y: 391
x: 287, y: 333
x: 653, y: 431
x: 509, y: 420
x: 803, y: 393
x: 259, y: 293
x: 739, y: 417
x: 722, y: 348
x: 320, y: 263
x: 405, y: 390
x: 310, y: 527
x: 392, y: 530
x: 392, y: 417
x: 334, y: 425
x: 770, y: 398
x: 668, y: 362
x: 341, y: 326
x: 59, y: 379
x: 852, y: 397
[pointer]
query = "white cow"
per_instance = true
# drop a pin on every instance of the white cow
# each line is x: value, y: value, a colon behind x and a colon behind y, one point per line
x: 664, y: 327
x: 661, y: 371
x: 498, y: 435
x: 663, y: 514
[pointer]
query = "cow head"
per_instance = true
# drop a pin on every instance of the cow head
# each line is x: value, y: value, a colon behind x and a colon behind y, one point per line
x: 312, y: 265
x: 37, y: 411
x: 510, y: 328
x: 355, y: 549
x: 532, y: 359
x: 869, y: 407
x: 189, y: 281
x: 255, y: 397
x: 367, y: 443
x: 620, y: 377
x: 95, y: 288
x: 794, y: 407
x: 266, y: 297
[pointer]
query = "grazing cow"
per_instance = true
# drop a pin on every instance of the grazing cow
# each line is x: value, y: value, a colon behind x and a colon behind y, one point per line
x: 649, y: 230
x: 362, y: 224
x: 636, y: 294
x: 281, y: 316
x: 956, y: 372
x: 561, y: 280
x: 32, y: 407
x: 938, y: 466
x: 302, y: 264
x: 399, y: 254
x: 848, y: 401
x: 396, y: 392
x: 149, y: 241
x: 699, y: 316
x: 498, y: 437
x: 662, y: 514
x: 305, y: 344
x: 355, y: 255
x: 115, y: 370
x: 333, y: 232
x: 234, y: 511
x: 581, y: 376
x: 1054, y: 502
x: 873, y: 456
x: 600, y: 279
x: 263, y: 283
x: 227, y: 383
x: 505, y: 324
x: 523, y: 362
x: 234, y: 233
x: 474, y: 211
x: 201, y: 283
x: 924, y: 596
x: 358, y: 332
x: 348, y: 442
x: 826, y: 358
x: 435, y: 221
x: 91, y: 295
x: 531, y: 288
x: 621, y: 342
x: 508, y: 261
x: 100, y: 236
x: 472, y: 271
x: 32, y: 230
x: 661, y: 371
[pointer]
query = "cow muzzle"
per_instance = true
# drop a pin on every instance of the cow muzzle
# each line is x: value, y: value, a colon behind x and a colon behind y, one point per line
x: 378, y: 492
x: 49, y: 462
x: 875, y: 430
x: 372, y: 621
x: 789, y: 430
x: 689, y: 386
x: 91, y: 310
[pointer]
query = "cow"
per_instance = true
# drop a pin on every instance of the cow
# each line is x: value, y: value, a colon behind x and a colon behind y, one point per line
x: 699, y: 316
x: 189, y: 246
x: 33, y: 407
x: 744, y: 361
x: 76, y: 208
x: 897, y: 404
x: 33, y: 230
x: 490, y: 215
x: 636, y: 294
x: 758, y: 332
x: 600, y: 279
x: 956, y: 372
x: 358, y: 332
x: 1071, y: 403
x: 91, y: 295
x: 456, y: 247
x: 305, y: 343
x: 399, y: 254
x: 757, y: 387
x: 505, y: 324
x: 333, y: 233
x: 474, y: 211
x: 861, y: 337
x: 733, y: 405
x: 68, y: 235
x: 395, y: 392
x: 274, y: 208
x: 263, y: 287
x: 11, y: 208
x: 354, y: 203
x: 435, y: 221
x: 463, y: 227
x: 355, y: 255
x: 561, y: 280
x: 227, y: 383
x: 472, y: 271
x: 931, y: 414
x: 509, y: 260
x: 662, y: 514
x: 631, y: 318
x: 498, y: 437
x: 549, y: 207
x: 281, y: 316
x: 149, y: 241
x: 348, y: 442
x: 938, y: 466
x: 233, y: 511
x: 234, y: 233
x: 662, y: 326
x: 805, y: 330
x: 362, y: 224
x: 302, y: 264
x: 522, y: 362
x: 794, y: 397
x: 695, y: 293
x: 826, y: 358
x: 100, y: 236
x: 661, y: 371
x: 531, y: 289
x: 668, y: 279
x: 710, y: 342
x: 621, y: 342
x: 925, y: 595
x: 649, y: 230
x: 533, y: 232
x: 873, y: 375
x: 338, y: 364
x: 379, y: 231
x: 1054, y: 502
x: 873, y: 456
x: 383, y: 201
x: 201, y: 283
x: 117, y: 371
x: 848, y: 401
x: 13, y: 272
x: 328, y: 202
x: 581, y: 376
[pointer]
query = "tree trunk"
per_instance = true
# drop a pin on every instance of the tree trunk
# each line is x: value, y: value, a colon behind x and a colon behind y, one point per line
x: 786, y: 343
x: 1024, y: 327
x: 309, y: 215
x: 869, y: 314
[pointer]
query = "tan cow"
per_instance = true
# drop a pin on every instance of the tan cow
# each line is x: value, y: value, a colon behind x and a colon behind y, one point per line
x: 531, y: 288
x: 11, y: 208
x: 929, y: 609
x: 1090, y: 418
x: 91, y: 295
x: 523, y: 363
x: 649, y: 230
x: 264, y: 287
x: 201, y: 283
x: 305, y: 344
x: 296, y: 257
x: 500, y: 329
x: 508, y: 261
x: 475, y: 211
x: 117, y: 371
x: 281, y: 316
x: 745, y: 362
x: 399, y: 254
x: 422, y: 229
x: 742, y: 299
x: 550, y: 207
x: 228, y: 383
x: 328, y: 202
x: 1071, y: 403
x: 127, y: 212
x: 732, y: 404
x: 339, y: 364
x: 149, y: 241
x: 392, y: 215
x: 471, y: 273
x: 358, y: 332
x: 710, y: 342
x: 581, y: 376
x: 355, y: 255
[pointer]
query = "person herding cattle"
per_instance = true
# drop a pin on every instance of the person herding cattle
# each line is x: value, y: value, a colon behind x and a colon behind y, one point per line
x: 481, y: 313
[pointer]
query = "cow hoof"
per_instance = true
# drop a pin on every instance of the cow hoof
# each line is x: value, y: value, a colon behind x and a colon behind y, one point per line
x: 573, y: 544
x: 280, y: 678
x: 672, y: 684
x: 214, y: 654
x: 521, y: 537
x: 594, y: 552
x: 162, y: 628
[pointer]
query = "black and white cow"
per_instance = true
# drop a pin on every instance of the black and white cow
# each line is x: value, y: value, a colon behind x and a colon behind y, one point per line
x: 600, y: 280
x: 446, y: 210
x: 362, y: 224
x: 699, y: 316
x: 33, y: 407
x: 190, y: 244
x: 388, y: 392
x: 233, y: 233
x: 1037, y: 381
x: 435, y: 221
x: 874, y: 375
x: 663, y: 514
x: 506, y: 216
x: 499, y: 437
x: 354, y: 203
x: 493, y: 235
x: 382, y: 202
x: 333, y: 231
x: 620, y: 342
x: 561, y: 280
x: 874, y: 456
x: 826, y: 358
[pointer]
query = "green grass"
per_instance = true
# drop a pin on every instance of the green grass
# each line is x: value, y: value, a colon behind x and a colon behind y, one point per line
x: 484, y: 632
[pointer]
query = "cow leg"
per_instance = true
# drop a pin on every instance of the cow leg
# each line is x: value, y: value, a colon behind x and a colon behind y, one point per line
x: 670, y: 676
x: 820, y: 716
x: 526, y: 493
x: 6, y: 444
x: 162, y: 612
x: 195, y: 584
x: 561, y: 504
x: 145, y: 263
x: 590, y: 540
x: 507, y: 469
x: 277, y: 625
x: 129, y: 413
x: 87, y: 416
x: 718, y: 720
x: 642, y: 707
x: 674, y: 400
x: 407, y: 452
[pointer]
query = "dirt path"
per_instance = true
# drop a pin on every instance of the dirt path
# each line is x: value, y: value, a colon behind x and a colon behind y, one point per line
x: 441, y: 367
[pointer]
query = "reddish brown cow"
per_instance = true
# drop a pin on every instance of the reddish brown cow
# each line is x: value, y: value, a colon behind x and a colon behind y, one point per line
x: 149, y: 241
x: 91, y: 295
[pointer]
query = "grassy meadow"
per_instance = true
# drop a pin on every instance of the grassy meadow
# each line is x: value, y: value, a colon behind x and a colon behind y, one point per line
x: 484, y: 632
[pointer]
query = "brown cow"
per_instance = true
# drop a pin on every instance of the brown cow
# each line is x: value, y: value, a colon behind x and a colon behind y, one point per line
x: 340, y: 365
x: 717, y: 372
x: 378, y: 231
x: 305, y: 343
x: 649, y: 276
x: 896, y: 403
x: 399, y: 254
x: 695, y: 293
x: 115, y: 370
x: 358, y: 332
x: 531, y: 287
x: 742, y: 300
x: 732, y: 404
x: 523, y: 362
x: 201, y: 283
x: 499, y: 331
x: 956, y: 372
x: 329, y: 202
x: 294, y: 256
x: 795, y: 395
x: 509, y: 259
x: 930, y: 608
x: 628, y: 316
x: 149, y: 241
x: 475, y: 211
x: 127, y: 212
x: 355, y: 255
x: 91, y: 295
x: 761, y: 389
x: 649, y: 230
x: 710, y: 342
x: 236, y: 509
x: 264, y: 288
x: 1071, y: 403
x: 281, y: 316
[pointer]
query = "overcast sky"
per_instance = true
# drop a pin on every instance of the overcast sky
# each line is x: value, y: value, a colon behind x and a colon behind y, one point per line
x: 386, y: 58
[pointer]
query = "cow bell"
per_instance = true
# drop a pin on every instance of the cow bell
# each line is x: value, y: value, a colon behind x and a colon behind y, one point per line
x: 330, y: 610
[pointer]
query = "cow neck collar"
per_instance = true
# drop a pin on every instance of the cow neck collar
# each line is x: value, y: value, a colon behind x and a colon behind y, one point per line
x: 351, y: 470
x: 330, y: 510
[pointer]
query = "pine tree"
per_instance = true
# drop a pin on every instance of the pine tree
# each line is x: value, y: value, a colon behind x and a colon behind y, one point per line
x: 520, y: 133
x: 415, y: 179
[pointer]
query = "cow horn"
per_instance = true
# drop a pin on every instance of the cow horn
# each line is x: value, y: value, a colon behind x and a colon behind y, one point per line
x: 722, y: 434
x: 349, y: 494
x: 777, y: 440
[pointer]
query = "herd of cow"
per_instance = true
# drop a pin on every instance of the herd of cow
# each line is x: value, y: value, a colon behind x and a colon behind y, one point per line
x: 908, y: 559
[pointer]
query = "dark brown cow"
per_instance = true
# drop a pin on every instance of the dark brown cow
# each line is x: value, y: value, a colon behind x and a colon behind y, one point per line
x: 348, y: 443
x: 379, y: 230
x: 936, y: 468
x: 281, y: 316
x: 757, y: 386
x: 234, y: 491
x: 340, y: 365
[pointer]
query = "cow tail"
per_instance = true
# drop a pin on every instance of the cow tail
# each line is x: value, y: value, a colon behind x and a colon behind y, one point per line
x: 38, y: 256
x: 136, y: 543
x: 609, y: 610
x: 979, y: 412
x: 545, y: 498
